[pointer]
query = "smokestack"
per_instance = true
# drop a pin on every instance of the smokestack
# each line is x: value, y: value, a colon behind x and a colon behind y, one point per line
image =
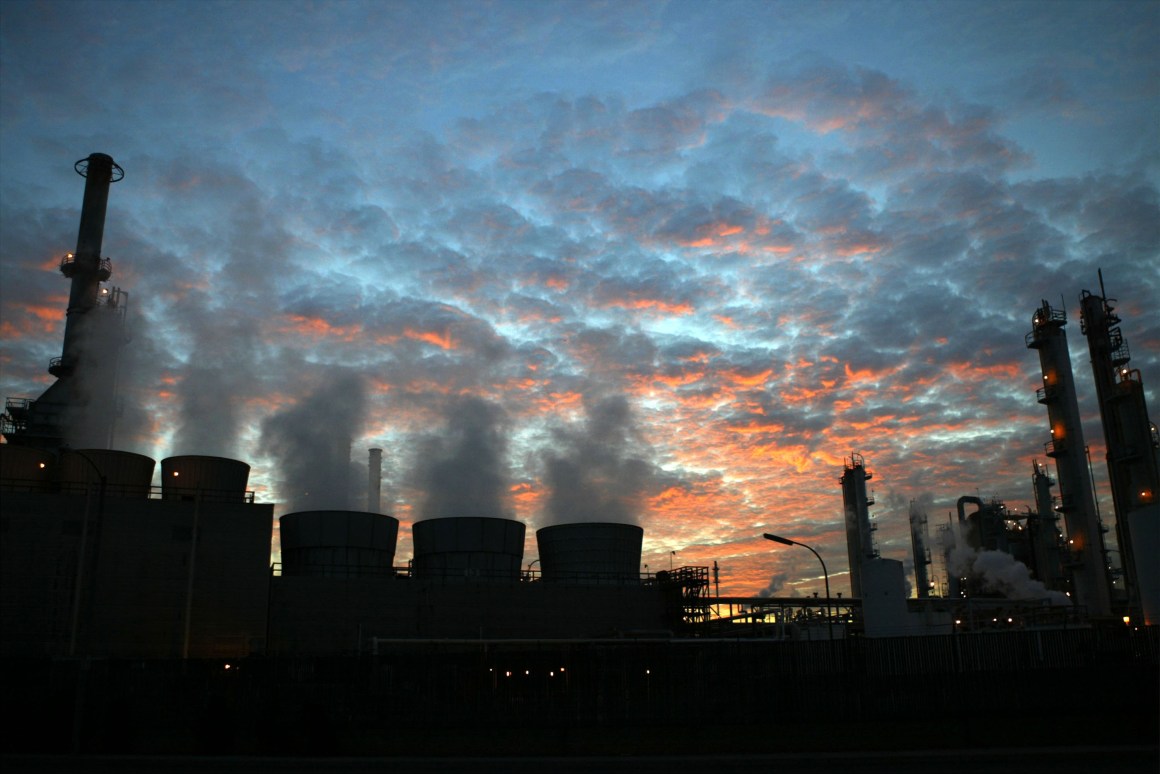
x: 78, y: 408
x: 375, y: 481
x: 84, y: 266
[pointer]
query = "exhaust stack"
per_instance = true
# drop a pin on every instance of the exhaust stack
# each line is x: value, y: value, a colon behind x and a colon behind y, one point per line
x: 85, y: 267
x: 375, y: 481
x: 78, y: 409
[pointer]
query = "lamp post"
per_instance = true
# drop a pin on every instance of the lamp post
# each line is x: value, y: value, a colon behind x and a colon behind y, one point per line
x: 825, y: 573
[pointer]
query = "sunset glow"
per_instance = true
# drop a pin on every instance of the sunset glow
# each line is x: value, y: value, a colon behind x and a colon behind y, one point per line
x: 668, y: 263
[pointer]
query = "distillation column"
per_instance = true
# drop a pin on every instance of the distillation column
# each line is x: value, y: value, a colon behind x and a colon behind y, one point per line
x: 859, y: 545
x: 918, y: 540
x: 1131, y: 441
x: 1085, y: 559
x: 1046, y: 540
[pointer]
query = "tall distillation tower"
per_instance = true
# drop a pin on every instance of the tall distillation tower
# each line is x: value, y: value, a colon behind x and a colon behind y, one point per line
x: 1131, y: 441
x: 856, y: 503
x: 918, y: 544
x: 1046, y: 540
x: 79, y: 408
x: 1085, y: 559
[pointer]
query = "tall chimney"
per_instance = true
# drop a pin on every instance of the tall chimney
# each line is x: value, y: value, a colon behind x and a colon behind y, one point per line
x: 84, y: 266
x: 375, y: 481
x: 79, y: 408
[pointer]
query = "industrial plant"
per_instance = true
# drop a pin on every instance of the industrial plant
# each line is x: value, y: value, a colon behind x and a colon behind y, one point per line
x: 139, y: 601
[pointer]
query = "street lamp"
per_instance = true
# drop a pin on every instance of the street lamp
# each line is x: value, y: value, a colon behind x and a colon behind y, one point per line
x: 825, y: 573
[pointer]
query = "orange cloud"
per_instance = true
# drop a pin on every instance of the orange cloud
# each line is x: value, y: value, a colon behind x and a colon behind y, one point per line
x: 442, y: 340
x: 796, y: 457
x: 754, y: 428
x: 974, y: 372
x: 318, y: 328
x: 749, y: 380
x: 654, y: 304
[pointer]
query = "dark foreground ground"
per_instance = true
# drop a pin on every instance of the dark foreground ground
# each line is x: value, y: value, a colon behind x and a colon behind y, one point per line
x: 1065, y: 760
x: 1053, y: 701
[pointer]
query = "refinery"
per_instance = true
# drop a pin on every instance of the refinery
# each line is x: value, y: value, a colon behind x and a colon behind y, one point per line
x: 130, y: 585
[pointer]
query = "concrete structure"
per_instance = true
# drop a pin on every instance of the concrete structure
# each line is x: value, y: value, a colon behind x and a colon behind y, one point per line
x: 342, y: 544
x: 313, y: 615
x: 191, y: 476
x: 590, y: 553
x: 97, y: 564
x: 468, y: 548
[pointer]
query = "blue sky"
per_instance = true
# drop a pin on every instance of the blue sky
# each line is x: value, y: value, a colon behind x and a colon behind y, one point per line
x: 661, y: 262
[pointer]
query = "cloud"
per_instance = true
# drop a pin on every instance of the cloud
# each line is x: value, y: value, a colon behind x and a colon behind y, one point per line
x: 768, y: 245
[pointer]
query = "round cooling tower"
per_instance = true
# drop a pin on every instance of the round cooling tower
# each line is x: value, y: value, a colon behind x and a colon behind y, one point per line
x: 590, y: 553
x: 468, y: 547
x: 126, y: 474
x: 26, y: 469
x: 338, y: 544
x: 214, y: 478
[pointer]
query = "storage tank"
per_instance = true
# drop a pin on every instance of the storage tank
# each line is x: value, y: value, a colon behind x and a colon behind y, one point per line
x: 338, y: 544
x: 215, y: 478
x: 26, y: 468
x: 590, y: 553
x: 126, y: 474
x: 471, y: 548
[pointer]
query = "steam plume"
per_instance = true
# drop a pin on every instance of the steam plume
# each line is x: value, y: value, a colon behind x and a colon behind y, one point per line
x: 598, y: 472
x: 465, y: 473
x: 311, y: 442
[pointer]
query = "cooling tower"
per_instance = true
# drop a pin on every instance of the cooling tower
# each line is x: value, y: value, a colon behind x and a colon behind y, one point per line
x: 214, y: 478
x: 125, y: 474
x: 468, y: 548
x: 25, y: 468
x: 590, y: 553
x: 338, y: 544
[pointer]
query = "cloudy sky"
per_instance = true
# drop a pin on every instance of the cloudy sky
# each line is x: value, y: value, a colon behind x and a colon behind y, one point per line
x: 661, y: 262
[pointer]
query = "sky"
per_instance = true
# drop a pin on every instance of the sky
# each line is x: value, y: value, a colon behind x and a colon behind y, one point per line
x: 663, y: 263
